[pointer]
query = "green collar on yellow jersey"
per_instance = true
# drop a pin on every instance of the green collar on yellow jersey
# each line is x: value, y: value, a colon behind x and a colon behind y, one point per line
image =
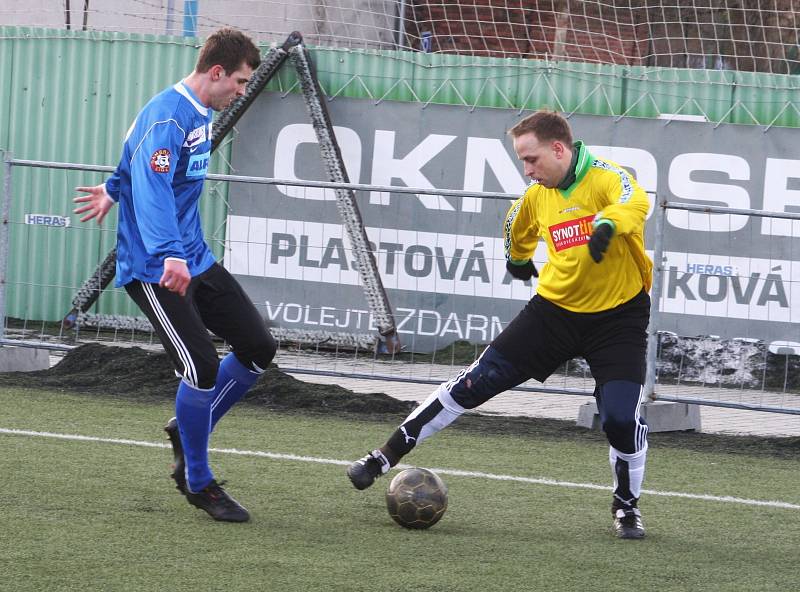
x: 581, y: 162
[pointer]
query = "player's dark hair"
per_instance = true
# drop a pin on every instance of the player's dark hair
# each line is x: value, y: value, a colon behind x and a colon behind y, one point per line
x: 545, y: 125
x: 230, y: 49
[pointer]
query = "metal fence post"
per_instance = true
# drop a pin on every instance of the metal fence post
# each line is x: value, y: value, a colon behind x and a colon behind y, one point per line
x: 660, y: 212
x: 5, y: 210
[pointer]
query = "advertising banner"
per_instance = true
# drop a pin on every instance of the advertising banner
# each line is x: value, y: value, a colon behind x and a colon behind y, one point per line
x: 441, y: 258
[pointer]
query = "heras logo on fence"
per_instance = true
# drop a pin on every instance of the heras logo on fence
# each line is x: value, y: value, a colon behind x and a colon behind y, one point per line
x: 731, y: 287
x: 47, y: 220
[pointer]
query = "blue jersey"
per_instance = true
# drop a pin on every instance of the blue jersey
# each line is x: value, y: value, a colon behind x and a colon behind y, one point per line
x: 158, y: 183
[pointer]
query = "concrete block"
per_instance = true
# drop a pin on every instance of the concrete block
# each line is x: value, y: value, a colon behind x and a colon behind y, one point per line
x: 665, y: 416
x: 23, y: 359
x: 588, y: 417
x: 661, y: 416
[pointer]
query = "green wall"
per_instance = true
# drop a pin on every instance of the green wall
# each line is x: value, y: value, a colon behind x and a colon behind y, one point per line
x: 70, y: 96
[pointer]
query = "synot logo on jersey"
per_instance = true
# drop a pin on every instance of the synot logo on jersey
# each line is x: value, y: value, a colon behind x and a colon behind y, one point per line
x: 571, y: 233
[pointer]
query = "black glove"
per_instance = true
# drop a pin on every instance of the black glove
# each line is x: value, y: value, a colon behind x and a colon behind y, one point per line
x: 522, y: 272
x: 598, y: 243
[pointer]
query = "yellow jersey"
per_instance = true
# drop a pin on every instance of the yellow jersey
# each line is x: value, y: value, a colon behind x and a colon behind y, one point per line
x: 565, y: 219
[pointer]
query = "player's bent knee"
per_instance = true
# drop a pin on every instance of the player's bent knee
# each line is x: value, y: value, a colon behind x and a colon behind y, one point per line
x: 206, y: 376
x: 266, y: 353
x: 259, y: 354
x: 620, y: 432
x: 625, y: 429
x: 490, y: 375
x: 467, y: 399
x: 626, y: 434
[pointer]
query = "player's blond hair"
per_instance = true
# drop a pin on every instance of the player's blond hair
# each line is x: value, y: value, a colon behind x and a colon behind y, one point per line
x: 545, y: 125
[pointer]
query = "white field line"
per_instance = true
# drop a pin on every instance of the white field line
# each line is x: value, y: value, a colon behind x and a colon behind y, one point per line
x: 453, y: 472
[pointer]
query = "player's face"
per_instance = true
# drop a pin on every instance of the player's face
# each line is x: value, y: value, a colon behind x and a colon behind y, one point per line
x: 544, y: 162
x: 230, y: 86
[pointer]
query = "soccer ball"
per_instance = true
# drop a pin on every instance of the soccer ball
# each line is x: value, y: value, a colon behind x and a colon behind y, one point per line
x: 416, y: 498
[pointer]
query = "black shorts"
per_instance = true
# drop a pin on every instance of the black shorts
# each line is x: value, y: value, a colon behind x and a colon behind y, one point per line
x: 214, y: 301
x: 613, y: 342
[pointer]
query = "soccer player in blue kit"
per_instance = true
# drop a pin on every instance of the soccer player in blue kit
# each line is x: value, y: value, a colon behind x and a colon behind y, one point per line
x: 165, y: 265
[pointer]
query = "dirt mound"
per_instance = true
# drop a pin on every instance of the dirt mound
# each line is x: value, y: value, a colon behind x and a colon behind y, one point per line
x: 134, y: 372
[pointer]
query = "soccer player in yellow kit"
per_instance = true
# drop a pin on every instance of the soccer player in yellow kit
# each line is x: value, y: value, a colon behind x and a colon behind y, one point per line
x: 592, y: 302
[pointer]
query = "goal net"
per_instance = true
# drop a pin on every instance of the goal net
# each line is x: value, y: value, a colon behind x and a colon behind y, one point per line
x: 740, y: 35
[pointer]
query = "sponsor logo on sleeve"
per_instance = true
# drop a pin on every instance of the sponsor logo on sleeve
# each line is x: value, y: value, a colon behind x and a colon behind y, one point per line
x: 571, y: 233
x: 159, y: 161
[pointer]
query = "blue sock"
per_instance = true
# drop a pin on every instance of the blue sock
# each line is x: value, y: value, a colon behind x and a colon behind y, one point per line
x: 233, y: 381
x: 193, y: 410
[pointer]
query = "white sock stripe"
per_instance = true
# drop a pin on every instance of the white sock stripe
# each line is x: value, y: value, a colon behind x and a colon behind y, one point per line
x: 612, y: 459
x: 223, y: 391
x: 190, y: 373
x: 638, y: 436
x: 221, y: 394
x: 443, y: 471
x: 641, y: 429
x: 643, y: 438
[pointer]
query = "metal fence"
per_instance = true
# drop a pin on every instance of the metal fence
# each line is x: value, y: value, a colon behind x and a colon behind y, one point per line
x: 760, y: 376
x: 23, y: 282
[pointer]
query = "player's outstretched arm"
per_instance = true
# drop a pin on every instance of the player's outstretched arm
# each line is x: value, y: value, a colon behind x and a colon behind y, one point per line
x: 97, y: 203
